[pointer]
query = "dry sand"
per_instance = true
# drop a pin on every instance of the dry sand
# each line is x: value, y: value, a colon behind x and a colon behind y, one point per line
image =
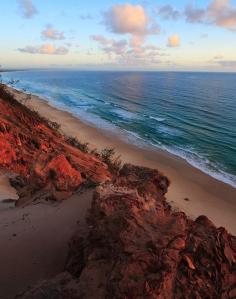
x: 34, y: 241
x: 8, y: 194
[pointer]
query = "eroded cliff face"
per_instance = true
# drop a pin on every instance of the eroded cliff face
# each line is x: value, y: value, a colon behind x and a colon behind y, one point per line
x: 47, y: 166
x: 137, y: 247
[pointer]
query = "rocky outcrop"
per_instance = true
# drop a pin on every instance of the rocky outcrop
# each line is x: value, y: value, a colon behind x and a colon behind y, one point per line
x: 137, y: 247
x: 46, y: 164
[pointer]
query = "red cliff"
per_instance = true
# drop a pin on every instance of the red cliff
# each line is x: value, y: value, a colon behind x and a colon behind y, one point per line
x: 47, y: 165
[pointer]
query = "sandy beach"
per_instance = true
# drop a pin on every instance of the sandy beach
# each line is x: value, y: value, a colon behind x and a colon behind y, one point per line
x: 40, y: 234
x: 191, y: 190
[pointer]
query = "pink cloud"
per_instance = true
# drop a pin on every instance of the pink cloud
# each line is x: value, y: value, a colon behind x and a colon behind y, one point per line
x: 221, y: 13
x: 131, y: 19
x: 52, y: 33
x: 127, y: 18
x: 48, y: 49
x: 101, y: 39
x: 111, y: 46
x: 218, y: 12
x: 132, y: 53
x: 173, y: 41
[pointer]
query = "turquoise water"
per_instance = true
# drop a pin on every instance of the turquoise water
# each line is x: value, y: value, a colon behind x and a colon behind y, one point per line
x: 192, y: 115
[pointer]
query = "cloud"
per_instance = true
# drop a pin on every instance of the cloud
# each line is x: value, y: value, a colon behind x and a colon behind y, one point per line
x: 134, y: 22
x: 48, y: 49
x: 52, y: 33
x: 219, y: 12
x: 204, y: 35
x: 227, y: 63
x: 86, y: 17
x: 131, y: 19
x: 218, y: 57
x: 28, y: 10
x: 194, y: 15
x: 173, y: 41
x: 111, y: 46
x: 129, y: 53
x: 101, y: 39
x: 168, y: 12
x: 137, y: 41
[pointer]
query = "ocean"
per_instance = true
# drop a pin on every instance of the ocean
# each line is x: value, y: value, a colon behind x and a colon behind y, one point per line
x: 191, y: 115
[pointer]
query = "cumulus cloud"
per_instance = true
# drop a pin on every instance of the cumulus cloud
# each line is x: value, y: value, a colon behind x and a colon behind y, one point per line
x: 173, y: 41
x: 127, y: 18
x: 27, y: 8
x: 194, y: 15
x: 48, y: 49
x: 168, y: 12
x: 129, y: 53
x: 133, y: 22
x: 111, y: 46
x: 52, y: 33
x: 130, y: 19
x: 219, y: 12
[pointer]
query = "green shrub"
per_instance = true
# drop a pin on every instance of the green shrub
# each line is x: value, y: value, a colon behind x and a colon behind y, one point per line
x: 109, y: 157
x: 84, y: 147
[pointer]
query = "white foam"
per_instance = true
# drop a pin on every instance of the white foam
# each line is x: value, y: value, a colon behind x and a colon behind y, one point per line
x: 167, y: 131
x: 125, y: 114
x: 159, y: 119
x: 190, y: 156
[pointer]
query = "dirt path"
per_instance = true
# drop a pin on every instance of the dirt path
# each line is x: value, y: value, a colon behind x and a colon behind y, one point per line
x: 34, y: 241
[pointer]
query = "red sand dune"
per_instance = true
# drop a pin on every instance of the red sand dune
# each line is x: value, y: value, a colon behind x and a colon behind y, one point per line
x: 47, y: 165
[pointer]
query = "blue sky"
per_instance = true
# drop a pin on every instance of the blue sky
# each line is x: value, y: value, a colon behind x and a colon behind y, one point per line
x: 150, y: 35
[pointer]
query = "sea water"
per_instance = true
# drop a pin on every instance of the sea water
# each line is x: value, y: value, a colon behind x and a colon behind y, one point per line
x: 192, y: 115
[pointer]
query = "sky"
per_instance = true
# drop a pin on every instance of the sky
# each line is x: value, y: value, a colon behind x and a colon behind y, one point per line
x: 182, y: 35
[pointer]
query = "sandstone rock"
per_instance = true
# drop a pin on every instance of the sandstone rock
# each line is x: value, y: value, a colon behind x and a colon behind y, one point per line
x: 137, y: 247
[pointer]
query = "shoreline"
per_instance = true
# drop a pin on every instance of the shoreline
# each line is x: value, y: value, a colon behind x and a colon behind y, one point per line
x: 206, y: 195
x: 123, y: 135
